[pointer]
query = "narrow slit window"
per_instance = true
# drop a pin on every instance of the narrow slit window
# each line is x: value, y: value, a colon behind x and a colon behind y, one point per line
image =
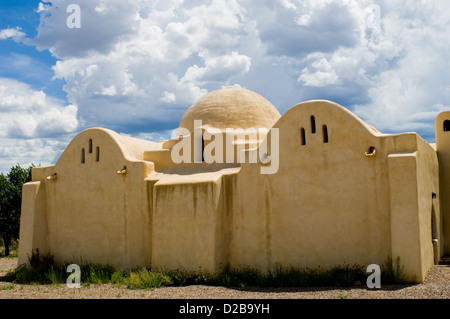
x: 303, y: 136
x: 313, y: 125
x: 83, y: 159
x: 203, y: 149
x: 97, y: 154
x: 325, y: 134
x: 90, y: 146
x: 447, y: 126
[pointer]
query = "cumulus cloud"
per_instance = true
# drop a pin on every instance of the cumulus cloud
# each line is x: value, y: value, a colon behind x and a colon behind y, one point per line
x: 409, y: 92
x: 34, y: 127
x: 15, y: 34
x: 146, y: 62
x: 37, y: 151
x: 27, y: 113
x: 135, y: 66
x: 150, y: 71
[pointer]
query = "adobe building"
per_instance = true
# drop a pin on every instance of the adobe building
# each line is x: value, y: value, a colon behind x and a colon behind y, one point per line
x: 341, y: 192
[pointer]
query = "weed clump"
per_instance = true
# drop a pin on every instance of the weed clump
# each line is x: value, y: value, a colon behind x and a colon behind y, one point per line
x: 42, y: 269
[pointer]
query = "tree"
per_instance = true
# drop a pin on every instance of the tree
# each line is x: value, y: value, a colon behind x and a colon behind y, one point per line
x: 11, y: 202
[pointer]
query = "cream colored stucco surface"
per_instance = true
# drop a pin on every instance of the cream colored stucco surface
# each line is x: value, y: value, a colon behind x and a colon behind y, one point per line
x: 344, y: 193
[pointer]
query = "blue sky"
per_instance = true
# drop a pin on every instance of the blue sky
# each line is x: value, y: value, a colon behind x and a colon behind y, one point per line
x: 135, y: 66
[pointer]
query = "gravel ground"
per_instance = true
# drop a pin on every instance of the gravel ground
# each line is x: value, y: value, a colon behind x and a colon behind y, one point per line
x: 435, y: 286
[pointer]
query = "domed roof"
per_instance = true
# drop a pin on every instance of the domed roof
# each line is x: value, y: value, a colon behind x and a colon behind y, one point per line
x: 231, y: 108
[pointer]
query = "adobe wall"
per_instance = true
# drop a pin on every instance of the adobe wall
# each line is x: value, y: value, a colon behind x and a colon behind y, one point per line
x: 329, y: 203
x: 189, y: 222
x: 443, y: 153
x: 343, y: 194
x: 91, y: 212
x: 415, y: 209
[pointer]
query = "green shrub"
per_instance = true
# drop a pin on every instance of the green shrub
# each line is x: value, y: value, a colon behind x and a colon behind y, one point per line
x: 145, y: 279
x: 96, y: 273
x: 43, y: 270
x: 118, y: 277
x: 392, y: 272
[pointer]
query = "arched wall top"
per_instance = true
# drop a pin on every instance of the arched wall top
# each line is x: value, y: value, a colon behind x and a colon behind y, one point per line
x: 440, y: 121
x: 128, y: 148
x: 324, y: 108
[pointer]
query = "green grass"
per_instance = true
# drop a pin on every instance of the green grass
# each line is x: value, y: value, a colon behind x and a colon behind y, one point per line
x: 43, y: 270
x: 392, y: 272
x: 146, y: 279
x: 292, y: 277
x: 7, y: 287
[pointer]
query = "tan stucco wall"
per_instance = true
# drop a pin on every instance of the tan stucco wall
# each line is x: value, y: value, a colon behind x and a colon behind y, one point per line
x: 188, y: 220
x: 323, y: 207
x: 443, y: 152
x: 331, y: 202
x: 413, y: 178
x: 93, y: 213
x: 33, y: 221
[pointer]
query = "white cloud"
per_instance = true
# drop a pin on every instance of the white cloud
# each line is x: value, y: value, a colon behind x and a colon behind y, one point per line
x: 37, y: 151
x: 27, y: 113
x: 174, y: 47
x: 169, y: 53
x: 407, y: 95
x: 168, y: 97
x: 220, y: 68
x: 15, y: 34
x: 136, y: 65
x: 324, y: 74
x: 31, y: 123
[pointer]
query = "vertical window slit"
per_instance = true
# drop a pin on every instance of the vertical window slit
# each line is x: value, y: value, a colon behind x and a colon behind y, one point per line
x: 90, y: 146
x: 447, y: 126
x: 83, y: 159
x: 97, y: 154
x: 203, y: 149
x: 303, y: 136
x: 325, y: 134
x: 313, y: 124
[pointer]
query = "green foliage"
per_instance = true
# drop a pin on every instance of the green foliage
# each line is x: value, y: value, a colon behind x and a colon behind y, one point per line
x: 10, y: 203
x: 393, y: 272
x: 292, y: 277
x: 145, y: 279
x: 7, y: 287
x: 95, y: 273
x: 43, y: 270
x: 118, y: 277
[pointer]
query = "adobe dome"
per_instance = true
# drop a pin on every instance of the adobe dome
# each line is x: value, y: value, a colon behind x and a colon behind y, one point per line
x: 231, y: 108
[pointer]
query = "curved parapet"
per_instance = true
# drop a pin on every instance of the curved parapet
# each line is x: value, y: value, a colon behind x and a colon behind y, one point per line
x: 321, y: 129
x: 94, y: 139
x: 94, y: 197
x: 336, y: 195
x: 313, y: 116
